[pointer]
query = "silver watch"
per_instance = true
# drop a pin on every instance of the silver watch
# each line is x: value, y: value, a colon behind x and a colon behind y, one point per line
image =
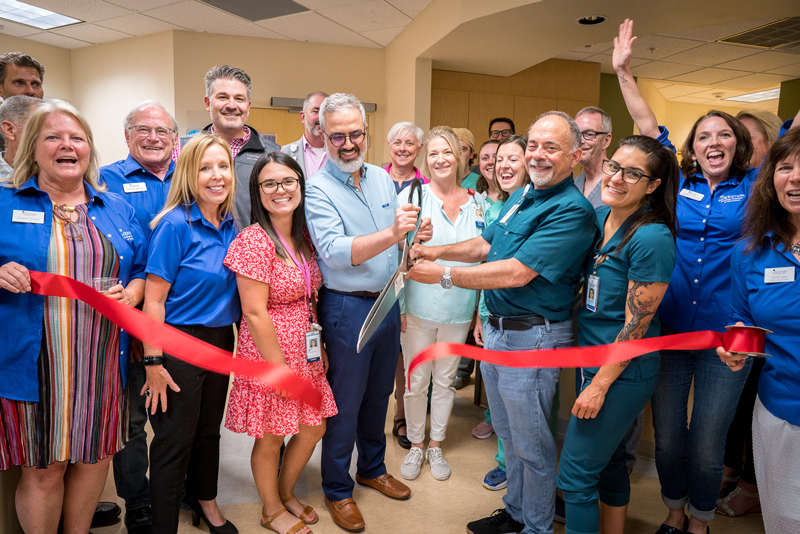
x: 446, y: 282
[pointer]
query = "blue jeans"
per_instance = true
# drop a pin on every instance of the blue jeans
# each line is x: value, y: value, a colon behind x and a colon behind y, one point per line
x: 130, y: 464
x: 521, y: 401
x: 689, y: 457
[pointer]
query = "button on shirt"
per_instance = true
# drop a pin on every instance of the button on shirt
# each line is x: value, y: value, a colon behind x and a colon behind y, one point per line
x: 337, y: 212
x: 312, y: 162
x: 142, y: 189
x: 773, y: 306
x: 27, y: 243
x: 649, y: 256
x: 187, y: 251
x: 551, y: 231
x: 433, y: 302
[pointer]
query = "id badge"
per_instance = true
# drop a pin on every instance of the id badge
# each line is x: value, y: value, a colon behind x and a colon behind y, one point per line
x: 593, y: 292
x: 313, y: 352
x: 480, y: 222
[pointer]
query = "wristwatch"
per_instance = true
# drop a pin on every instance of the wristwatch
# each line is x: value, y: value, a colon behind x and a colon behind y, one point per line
x: 446, y: 282
x: 153, y: 360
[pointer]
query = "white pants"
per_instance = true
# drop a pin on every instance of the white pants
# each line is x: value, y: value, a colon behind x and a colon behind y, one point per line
x: 776, y: 452
x: 419, y: 334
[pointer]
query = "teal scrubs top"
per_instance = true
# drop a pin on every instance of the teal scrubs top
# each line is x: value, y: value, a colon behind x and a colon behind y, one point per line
x: 649, y: 256
x: 551, y: 231
x: 469, y: 181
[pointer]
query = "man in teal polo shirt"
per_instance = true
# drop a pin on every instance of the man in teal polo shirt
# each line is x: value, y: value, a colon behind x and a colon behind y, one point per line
x: 534, y: 253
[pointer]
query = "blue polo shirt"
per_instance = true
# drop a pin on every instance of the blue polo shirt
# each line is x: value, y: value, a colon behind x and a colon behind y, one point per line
x: 551, y: 231
x: 143, y: 190
x: 771, y: 305
x: 187, y: 251
x: 649, y: 256
x: 21, y: 314
x: 337, y: 212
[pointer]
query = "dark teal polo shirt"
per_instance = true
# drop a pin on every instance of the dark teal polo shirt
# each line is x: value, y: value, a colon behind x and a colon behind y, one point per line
x: 649, y: 256
x: 551, y: 231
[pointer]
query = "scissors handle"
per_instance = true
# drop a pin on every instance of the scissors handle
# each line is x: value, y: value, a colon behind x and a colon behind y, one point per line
x: 416, y: 188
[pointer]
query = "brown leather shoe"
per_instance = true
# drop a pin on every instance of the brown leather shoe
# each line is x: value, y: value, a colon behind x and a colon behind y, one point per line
x: 386, y: 484
x: 346, y: 514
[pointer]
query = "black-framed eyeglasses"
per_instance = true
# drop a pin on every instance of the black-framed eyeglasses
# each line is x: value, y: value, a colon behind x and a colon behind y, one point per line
x: 289, y: 185
x: 591, y: 135
x: 497, y: 134
x: 339, y: 139
x: 629, y: 175
x: 144, y: 131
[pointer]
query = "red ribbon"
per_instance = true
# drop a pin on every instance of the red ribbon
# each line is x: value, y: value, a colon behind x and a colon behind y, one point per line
x: 173, y: 341
x: 737, y: 339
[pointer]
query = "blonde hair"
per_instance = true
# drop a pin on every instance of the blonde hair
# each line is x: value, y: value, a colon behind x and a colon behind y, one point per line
x: 446, y: 133
x: 183, y: 191
x: 25, y: 164
x: 768, y: 123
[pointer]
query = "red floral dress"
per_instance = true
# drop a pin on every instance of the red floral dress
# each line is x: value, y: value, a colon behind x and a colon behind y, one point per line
x: 254, y: 407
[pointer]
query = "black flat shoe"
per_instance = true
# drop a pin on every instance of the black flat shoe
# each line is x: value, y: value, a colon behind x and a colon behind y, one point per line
x: 665, y: 529
x: 402, y: 440
x: 105, y: 513
x: 197, y: 515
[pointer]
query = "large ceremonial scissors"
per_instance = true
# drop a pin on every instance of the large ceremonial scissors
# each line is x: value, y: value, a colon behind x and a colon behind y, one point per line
x: 390, y: 293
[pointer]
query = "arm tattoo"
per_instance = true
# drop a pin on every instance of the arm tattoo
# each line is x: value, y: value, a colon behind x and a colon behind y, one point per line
x: 640, y: 309
x: 622, y: 77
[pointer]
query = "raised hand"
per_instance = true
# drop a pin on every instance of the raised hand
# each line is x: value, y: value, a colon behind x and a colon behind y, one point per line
x: 623, y: 46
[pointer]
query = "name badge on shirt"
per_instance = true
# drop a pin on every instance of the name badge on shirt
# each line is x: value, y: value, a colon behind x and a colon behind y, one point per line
x: 776, y: 275
x: 313, y: 352
x: 30, y: 217
x: 480, y: 222
x: 694, y: 195
x: 593, y: 292
x: 135, y: 187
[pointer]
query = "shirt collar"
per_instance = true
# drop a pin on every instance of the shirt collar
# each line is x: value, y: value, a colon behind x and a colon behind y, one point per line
x: 551, y: 191
x: 341, y: 175
x: 241, y: 140
x: 131, y: 166
x: 33, y: 183
x: 195, y: 214
x: 730, y: 180
x: 416, y: 170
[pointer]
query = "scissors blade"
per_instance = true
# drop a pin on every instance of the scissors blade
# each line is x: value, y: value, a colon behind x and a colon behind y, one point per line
x: 381, y: 308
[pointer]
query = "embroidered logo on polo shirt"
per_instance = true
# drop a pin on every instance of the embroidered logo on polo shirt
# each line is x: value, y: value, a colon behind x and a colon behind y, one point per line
x: 725, y: 199
x: 126, y: 235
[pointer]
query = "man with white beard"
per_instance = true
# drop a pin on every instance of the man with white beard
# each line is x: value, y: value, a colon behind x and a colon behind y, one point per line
x: 534, y: 253
x: 356, y: 224
x: 309, y: 151
x: 595, y: 125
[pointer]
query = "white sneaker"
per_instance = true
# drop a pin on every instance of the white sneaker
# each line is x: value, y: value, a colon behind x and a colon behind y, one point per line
x: 412, y: 463
x: 440, y: 469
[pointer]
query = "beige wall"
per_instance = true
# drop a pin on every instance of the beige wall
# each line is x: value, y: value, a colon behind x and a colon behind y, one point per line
x: 56, y: 62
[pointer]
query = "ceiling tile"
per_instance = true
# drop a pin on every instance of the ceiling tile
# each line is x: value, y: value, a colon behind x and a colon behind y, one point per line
x: 58, y: 40
x: 349, y: 39
x: 306, y: 26
x: 17, y: 30
x: 91, y: 33
x: 250, y: 30
x: 573, y: 56
x: 594, y: 48
x: 659, y: 85
x: 142, y: 5
x: 663, y: 47
x: 791, y: 70
x: 670, y: 91
x: 323, y: 4
x: 138, y: 24
x: 763, y: 62
x: 712, y: 33
x: 605, y: 60
x: 756, y: 81
x: 412, y: 8
x: 688, y: 100
x: 86, y: 10
x: 373, y: 15
x: 661, y: 70
x: 383, y: 37
x: 195, y: 16
x: 709, y: 93
x: 712, y: 54
x: 708, y: 76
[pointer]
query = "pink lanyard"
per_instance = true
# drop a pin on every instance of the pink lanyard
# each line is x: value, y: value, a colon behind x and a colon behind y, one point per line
x: 304, y: 268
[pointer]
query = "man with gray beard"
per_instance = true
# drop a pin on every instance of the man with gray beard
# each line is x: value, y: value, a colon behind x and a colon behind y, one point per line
x: 356, y: 224
x: 534, y: 253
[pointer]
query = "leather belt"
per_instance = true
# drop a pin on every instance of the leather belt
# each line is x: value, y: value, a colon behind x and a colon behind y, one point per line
x: 359, y: 294
x: 516, y: 323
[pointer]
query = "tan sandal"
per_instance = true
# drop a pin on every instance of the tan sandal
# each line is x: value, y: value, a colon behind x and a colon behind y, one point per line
x: 724, y: 508
x: 266, y: 522
x: 308, y: 512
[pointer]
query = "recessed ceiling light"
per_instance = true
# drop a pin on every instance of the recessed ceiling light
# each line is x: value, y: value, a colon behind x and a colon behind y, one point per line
x: 591, y: 20
x: 33, y: 16
x: 760, y: 96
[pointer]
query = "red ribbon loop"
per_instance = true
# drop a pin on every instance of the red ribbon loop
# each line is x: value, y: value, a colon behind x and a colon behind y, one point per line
x: 173, y: 341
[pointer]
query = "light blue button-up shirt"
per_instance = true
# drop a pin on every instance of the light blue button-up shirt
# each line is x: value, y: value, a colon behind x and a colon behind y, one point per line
x: 337, y: 212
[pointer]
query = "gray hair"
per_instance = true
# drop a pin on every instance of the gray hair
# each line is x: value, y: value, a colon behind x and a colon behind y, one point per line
x: 337, y: 102
x: 403, y: 128
x: 307, y: 101
x: 226, y: 72
x: 574, y: 131
x: 605, y: 118
x: 16, y: 109
x: 127, y: 123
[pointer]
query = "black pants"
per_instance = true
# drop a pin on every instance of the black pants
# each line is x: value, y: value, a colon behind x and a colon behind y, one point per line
x: 186, y: 437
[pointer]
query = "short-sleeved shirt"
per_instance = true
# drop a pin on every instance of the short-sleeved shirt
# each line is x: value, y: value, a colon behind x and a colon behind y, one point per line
x: 337, y: 212
x: 188, y: 252
x: 433, y: 302
x: 143, y: 190
x: 470, y: 181
x: 771, y: 305
x: 551, y: 231
x: 649, y: 256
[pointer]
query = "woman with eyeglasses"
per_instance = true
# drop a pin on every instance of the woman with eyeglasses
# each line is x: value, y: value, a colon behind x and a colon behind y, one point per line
x: 633, y: 261
x: 189, y: 288
x: 278, y: 278
x: 63, y: 413
x: 715, y: 184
